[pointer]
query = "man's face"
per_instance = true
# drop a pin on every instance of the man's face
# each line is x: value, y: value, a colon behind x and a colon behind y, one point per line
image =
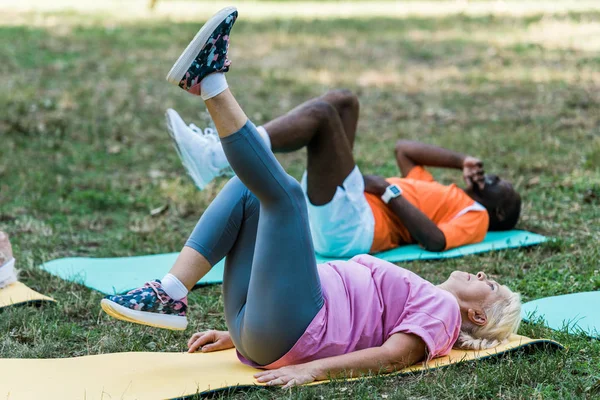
x: 494, y: 191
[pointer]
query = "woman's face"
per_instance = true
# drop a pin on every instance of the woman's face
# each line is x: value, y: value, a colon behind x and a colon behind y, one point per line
x: 475, y: 291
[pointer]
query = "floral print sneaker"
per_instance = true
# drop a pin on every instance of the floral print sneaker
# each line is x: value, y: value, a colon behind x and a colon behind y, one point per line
x: 148, y: 305
x: 206, y: 53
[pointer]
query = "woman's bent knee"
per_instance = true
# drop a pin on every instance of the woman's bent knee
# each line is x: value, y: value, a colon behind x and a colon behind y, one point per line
x: 235, y: 184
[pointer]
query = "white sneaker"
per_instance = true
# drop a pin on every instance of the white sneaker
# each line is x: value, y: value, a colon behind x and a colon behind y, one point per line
x: 8, y: 273
x: 207, y: 132
x: 196, y: 149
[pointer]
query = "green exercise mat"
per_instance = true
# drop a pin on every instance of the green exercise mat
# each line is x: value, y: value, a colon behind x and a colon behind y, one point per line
x: 118, y: 275
x: 577, y: 312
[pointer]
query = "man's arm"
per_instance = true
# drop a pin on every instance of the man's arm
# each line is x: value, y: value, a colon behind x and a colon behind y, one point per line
x: 420, y: 227
x: 410, y: 154
x: 399, y: 351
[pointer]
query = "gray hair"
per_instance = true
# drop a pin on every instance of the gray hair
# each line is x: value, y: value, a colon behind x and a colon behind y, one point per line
x: 503, y: 320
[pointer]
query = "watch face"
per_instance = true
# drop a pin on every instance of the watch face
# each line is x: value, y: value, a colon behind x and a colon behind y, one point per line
x: 394, y: 190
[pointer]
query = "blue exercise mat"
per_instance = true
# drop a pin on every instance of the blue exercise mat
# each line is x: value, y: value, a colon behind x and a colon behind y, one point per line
x: 575, y: 313
x: 118, y: 275
x: 121, y: 274
x: 493, y: 241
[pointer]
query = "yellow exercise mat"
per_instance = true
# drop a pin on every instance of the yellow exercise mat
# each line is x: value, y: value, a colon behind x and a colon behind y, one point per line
x: 161, y: 375
x: 18, y: 293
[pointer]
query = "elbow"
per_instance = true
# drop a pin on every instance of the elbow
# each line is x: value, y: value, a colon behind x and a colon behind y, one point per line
x: 436, y: 244
x: 395, y: 362
x: 435, y: 248
x: 392, y: 362
x: 401, y: 145
x: 404, y: 146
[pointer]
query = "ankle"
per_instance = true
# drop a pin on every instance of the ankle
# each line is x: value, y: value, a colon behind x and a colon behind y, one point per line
x: 173, y: 287
x: 213, y: 85
x: 226, y: 113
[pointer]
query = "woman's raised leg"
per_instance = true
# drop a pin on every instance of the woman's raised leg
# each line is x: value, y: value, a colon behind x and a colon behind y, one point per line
x: 269, y: 303
x: 284, y: 292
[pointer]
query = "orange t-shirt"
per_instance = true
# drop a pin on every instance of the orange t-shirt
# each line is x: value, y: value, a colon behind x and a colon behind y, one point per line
x: 449, y: 207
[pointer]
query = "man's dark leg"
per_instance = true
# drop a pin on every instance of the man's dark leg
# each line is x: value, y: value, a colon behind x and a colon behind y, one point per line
x: 327, y: 127
x: 347, y: 106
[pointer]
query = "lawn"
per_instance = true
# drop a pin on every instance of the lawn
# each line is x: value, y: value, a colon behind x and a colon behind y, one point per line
x: 85, y: 155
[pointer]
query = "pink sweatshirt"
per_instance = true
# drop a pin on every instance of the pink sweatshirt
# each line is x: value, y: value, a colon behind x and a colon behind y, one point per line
x: 366, y: 301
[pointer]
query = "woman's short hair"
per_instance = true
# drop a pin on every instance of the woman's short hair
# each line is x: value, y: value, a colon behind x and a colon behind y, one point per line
x: 503, y: 319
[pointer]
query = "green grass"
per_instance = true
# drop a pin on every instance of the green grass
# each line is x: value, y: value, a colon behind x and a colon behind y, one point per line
x: 84, y: 157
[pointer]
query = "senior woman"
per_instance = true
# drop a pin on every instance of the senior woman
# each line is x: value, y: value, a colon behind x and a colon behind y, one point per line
x: 298, y: 320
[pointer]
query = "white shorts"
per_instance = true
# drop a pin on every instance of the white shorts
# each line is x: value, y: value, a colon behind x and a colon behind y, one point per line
x: 345, y: 226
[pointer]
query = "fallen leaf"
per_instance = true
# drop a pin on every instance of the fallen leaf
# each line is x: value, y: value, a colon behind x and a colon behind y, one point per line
x: 114, y: 149
x: 156, y: 173
x: 533, y: 181
x: 159, y: 210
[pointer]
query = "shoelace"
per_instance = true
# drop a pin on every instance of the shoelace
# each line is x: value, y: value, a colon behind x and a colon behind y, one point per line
x: 211, y: 134
x: 152, y: 285
x: 196, y: 129
x: 211, y: 131
x: 207, y: 133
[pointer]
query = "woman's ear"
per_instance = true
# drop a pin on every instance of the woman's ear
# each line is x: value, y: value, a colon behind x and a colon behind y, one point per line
x: 477, y: 317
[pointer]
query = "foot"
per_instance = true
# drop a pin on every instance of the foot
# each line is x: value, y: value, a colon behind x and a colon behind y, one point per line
x: 206, y: 53
x: 197, y: 150
x: 148, y: 305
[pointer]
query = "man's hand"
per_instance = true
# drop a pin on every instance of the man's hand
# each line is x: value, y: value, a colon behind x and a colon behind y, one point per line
x: 209, y: 341
x: 375, y: 184
x: 289, y: 376
x: 473, y: 172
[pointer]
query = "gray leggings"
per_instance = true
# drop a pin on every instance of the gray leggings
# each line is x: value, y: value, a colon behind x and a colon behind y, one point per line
x: 271, y: 286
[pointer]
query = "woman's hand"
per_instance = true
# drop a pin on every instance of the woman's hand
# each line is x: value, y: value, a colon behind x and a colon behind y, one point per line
x: 289, y: 376
x: 375, y: 184
x: 473, y: 172
x: 209, y: 341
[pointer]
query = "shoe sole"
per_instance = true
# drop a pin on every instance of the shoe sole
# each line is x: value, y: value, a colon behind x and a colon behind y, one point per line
x: 172, y: 322
x: 171, y: 128
x: 190, y: 53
